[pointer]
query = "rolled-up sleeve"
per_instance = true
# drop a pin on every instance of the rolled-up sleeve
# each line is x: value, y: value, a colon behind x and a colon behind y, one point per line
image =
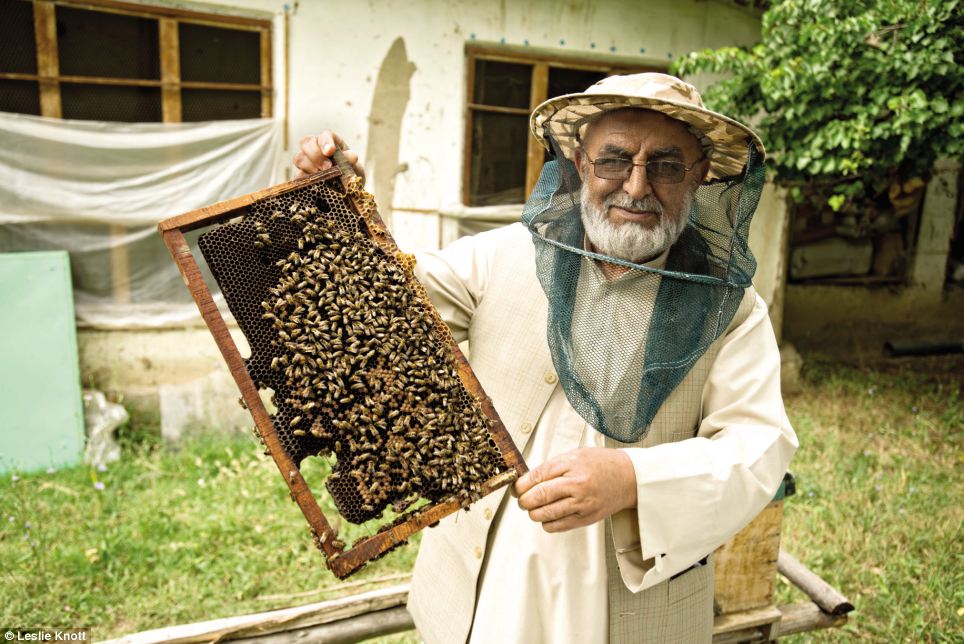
x: 695, y: 494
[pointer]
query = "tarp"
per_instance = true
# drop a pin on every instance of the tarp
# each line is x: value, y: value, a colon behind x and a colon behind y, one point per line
x: 98, y: 189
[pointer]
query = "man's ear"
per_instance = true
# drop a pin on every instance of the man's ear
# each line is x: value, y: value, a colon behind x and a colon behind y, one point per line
x: 702, y: 171
x: 578, y: 156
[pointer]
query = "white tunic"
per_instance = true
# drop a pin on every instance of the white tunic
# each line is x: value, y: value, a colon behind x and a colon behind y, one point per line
x: 495, y: 576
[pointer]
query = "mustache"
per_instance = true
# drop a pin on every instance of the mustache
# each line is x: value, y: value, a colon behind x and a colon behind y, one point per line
x: 623, y: 200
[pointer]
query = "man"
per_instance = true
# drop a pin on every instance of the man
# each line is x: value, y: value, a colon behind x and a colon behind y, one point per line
x: 652, y: 418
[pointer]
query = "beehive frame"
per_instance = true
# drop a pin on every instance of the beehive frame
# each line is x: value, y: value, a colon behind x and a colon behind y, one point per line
x: 341, y: 561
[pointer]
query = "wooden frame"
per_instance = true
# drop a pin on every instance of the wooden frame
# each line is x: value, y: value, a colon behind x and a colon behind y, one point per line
x: 539, y: 90
x: 49, y: 78
x: 341, y: 562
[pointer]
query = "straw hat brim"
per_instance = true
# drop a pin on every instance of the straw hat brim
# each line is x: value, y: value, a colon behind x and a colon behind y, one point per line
x: 565, y: 115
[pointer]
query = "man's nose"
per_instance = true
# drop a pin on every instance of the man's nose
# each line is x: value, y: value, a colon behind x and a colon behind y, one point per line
x: 637, y: 183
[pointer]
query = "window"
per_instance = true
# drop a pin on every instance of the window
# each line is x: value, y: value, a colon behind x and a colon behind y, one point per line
x: 118, y: 62
x: 502, y: 161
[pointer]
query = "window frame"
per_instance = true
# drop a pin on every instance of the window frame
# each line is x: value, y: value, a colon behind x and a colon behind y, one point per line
x: 541, y: 63
x: 49, y: 78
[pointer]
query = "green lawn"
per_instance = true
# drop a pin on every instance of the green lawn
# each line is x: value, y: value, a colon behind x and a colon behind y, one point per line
x: 166, y: 537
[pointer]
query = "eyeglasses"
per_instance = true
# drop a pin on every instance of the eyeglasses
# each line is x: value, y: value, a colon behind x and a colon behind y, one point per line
x: 659, y: 171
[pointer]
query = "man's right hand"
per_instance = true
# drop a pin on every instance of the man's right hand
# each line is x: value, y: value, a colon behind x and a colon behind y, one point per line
x: 316, y: 152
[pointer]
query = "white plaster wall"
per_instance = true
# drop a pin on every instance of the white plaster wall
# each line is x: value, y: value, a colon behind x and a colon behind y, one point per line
x: 337, y: 48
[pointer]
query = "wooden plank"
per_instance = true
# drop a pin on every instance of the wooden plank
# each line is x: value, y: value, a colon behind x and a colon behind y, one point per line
x: 247, y: 87
x: 467, y: 126
x: 347, y: 631
x: 823, y: 594
x: 155, y: 11
x: 481, y: 107
x: 585, y: 63
x: 745, y: 620
x: 137, y: 82
x: 223, y: 210
x: 275, y: 621
x: 170, y: 71
x: 746, y: 566
x: 45, y: 30
x: 267, y: 97
x: 803, y: 618
x: 287, y: 89
x: 535, y: 153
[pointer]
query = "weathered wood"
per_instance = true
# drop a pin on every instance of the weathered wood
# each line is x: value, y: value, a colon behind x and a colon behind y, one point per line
x: 265, y: 55
x: 467, y: 128
x: 823, y: 594
x: 746, y: 636
x: 354, y: 629
x: 219, y: 212
x: 276, y: 621
x: 45, y: 31
x: 170, y: 71
x: 154, y: 10
x: 754, y: 618
x: 535, y: 153
x: 746, y: 566
x: 530, y: 55
x: 803, y: 618
x: 496, y: 109
x: 134, y: 82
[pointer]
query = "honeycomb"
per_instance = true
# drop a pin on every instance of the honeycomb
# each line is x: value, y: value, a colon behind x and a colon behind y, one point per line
x: 359, y: 362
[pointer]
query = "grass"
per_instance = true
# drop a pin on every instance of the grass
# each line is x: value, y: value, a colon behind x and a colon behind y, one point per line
x: 208, y: 530
x: 878, y: 507
x: 172, y: 537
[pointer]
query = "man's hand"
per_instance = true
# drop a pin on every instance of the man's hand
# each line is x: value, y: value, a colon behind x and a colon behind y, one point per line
x: 578, y: 488
x: 316, y: 152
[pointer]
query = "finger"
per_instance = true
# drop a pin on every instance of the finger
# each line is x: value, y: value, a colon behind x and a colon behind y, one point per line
x: 304, y: 164
x: 551, y: 469
x: 554, y: 511
x: 544, y: 494
x: 312, y: 147
x: 328, y: 142
x: 570, y: 522
x: 300, y: 173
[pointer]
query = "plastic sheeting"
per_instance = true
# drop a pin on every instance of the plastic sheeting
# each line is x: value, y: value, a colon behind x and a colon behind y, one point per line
x: 98, y: 189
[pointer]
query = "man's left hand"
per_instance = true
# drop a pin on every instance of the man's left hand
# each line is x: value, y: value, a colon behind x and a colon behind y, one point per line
x: 578, y: 488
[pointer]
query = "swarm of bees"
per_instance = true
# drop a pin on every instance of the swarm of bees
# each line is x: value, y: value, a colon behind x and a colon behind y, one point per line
x: 367, y: 372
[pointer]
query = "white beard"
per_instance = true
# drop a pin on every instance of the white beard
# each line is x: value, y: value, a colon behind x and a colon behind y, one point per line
x: 631, y: 241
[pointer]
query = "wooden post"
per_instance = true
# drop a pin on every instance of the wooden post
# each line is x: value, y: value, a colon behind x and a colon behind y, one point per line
x: 535, y: 153
x: 45, y: 29
x: 266, y: 95
x: 828, y: 598
x: 170, y: 71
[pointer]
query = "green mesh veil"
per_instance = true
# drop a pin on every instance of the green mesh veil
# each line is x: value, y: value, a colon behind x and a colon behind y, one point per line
x: 622, y: 346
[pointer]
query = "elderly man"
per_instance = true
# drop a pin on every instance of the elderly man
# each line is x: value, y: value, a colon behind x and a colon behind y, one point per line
x: 633, y: 364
